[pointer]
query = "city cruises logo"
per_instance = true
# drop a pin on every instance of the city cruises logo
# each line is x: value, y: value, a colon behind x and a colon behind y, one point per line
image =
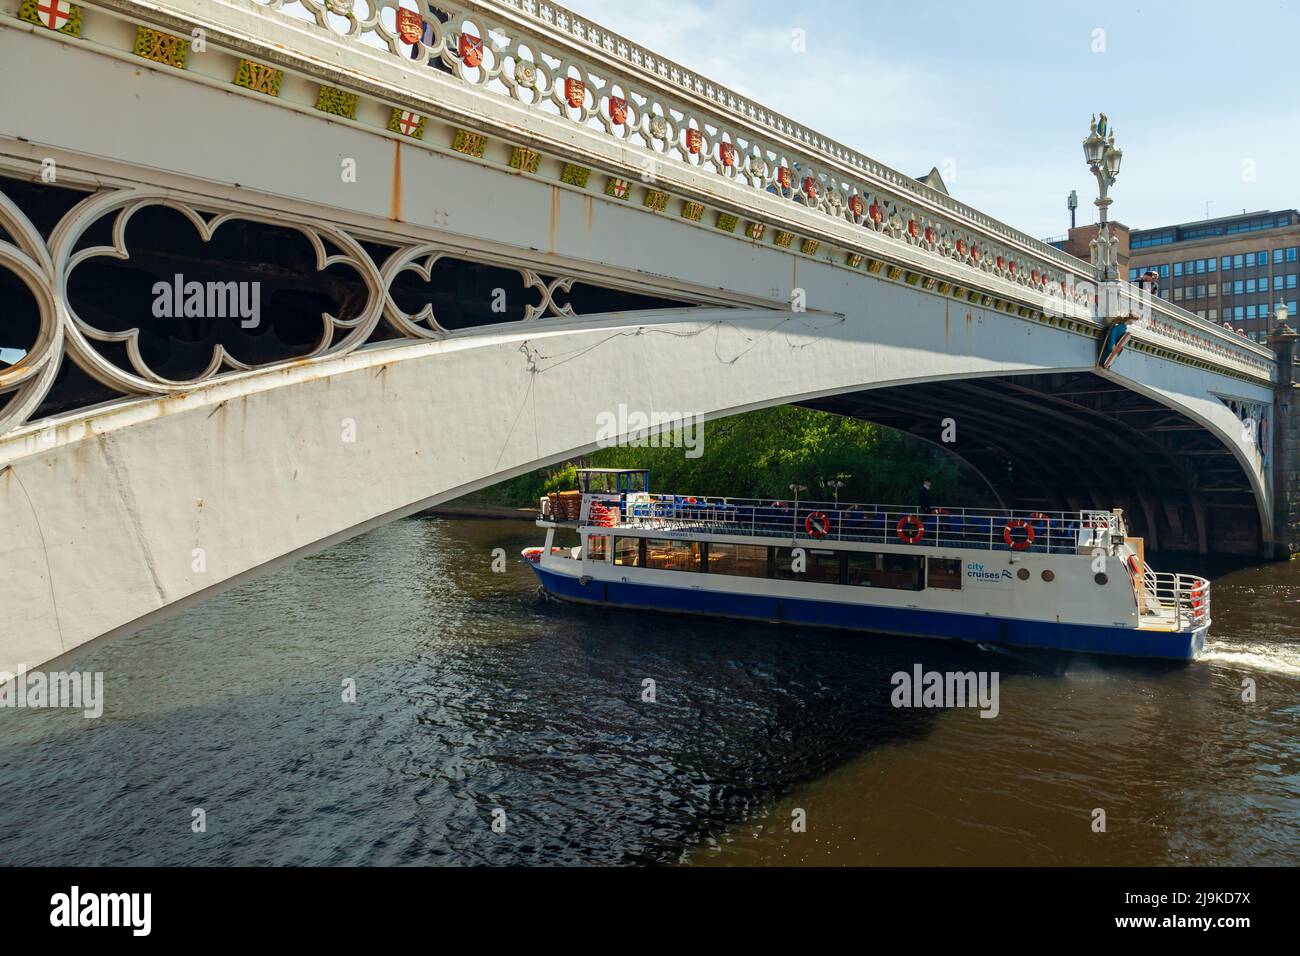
x: 634, y: 429
x: 37, y: 690
x: 922, y: 688
x: 978, y: 572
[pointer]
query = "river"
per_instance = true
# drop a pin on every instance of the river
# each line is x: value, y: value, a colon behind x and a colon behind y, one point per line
x: 492, y: 726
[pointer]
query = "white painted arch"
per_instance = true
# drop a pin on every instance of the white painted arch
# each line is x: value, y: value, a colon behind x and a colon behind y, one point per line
x: 105, y: 512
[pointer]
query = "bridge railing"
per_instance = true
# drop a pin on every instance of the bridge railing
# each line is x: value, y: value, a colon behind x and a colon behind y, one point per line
x: 1170, y: 326
x: 557, y: 62
x: 729, y: 150
x: 551, y: 59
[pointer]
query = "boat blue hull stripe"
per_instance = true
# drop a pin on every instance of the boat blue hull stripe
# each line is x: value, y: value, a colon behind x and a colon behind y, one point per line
x: 912, y: 622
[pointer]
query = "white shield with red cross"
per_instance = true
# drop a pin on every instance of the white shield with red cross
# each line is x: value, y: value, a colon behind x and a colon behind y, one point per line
x: 54, y: 13
x: 408, y: 122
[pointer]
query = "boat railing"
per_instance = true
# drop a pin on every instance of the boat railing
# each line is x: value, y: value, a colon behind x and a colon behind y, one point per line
x: 979, y: 528
x: 1185, y: 598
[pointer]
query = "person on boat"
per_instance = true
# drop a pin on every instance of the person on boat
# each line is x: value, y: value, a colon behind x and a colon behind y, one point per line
x: 925, y: 507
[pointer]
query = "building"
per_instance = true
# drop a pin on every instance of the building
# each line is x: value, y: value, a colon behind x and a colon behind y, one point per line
x: 1232, y: 269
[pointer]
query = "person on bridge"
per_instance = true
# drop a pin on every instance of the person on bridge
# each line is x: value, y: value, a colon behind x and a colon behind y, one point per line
x: 1150, y: 282
x: 925, y: 507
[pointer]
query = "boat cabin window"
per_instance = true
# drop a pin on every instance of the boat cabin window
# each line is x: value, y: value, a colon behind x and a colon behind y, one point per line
x: 885, y: 570
x: 670, y: 554
x: 597, y: 547
x: 628, y: 552
x: 820, y: 566
x: 743, y: 560
x: 944, y: 573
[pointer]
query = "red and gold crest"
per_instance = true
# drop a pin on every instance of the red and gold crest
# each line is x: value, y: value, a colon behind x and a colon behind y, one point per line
x: 855, y: 205
x: 471, y: 50
x: 877, y: 214
x: 1002, y: 263
x: 929, y: 234
x: 783, y: 176
x: 410, y: 25
x: 810, y: 187
x: 914, y: 228
x: 727, y: 154
x: 961, y: 248
x: 694, y: 141
x: 575, y: 92
x: 617, y: 110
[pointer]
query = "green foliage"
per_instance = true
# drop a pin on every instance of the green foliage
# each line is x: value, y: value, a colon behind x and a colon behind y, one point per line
x: 760, y: 454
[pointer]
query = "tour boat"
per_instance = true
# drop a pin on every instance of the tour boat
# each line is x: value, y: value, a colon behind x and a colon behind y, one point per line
x: 1067, y: 581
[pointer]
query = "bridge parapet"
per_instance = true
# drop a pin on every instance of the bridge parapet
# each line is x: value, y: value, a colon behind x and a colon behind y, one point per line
x: 536, y: 74
x: 552, y: 59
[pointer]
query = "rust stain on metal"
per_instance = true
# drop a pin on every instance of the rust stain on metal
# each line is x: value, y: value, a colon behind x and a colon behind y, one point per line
x: 591, y: 212
x: 395, y: 212
x: 555, y: 219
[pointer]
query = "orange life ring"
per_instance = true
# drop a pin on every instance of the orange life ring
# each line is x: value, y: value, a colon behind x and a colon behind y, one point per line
x: 910, y: 529
x: 817, y: 525
x: 1018, y: 544
x: 1133, y: 566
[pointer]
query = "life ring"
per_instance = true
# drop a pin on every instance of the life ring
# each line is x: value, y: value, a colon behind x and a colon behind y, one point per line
x: 910, y: 529
x: 817, y: 525
x: 1014, y: 543
x: 1198, y: 593
x: 533, y: 555
x: 1133, y: 566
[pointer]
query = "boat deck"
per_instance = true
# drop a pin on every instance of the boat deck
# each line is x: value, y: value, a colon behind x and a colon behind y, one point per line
x: 970, y: 528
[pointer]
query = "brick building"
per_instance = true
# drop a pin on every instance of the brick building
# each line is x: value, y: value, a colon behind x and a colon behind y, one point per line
x: 1233, y: 269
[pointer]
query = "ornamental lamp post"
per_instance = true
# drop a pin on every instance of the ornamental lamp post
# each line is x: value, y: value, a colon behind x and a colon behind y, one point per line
x: 1103, y: 158
x: 1281, y: 314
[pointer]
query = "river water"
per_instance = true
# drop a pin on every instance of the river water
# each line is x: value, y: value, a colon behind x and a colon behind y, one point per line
x: 491, y: 726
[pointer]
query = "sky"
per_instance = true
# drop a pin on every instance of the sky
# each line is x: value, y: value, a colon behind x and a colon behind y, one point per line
x: 1202, y: 96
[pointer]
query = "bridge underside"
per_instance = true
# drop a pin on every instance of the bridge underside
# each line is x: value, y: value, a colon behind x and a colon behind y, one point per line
x: 1074, y: 440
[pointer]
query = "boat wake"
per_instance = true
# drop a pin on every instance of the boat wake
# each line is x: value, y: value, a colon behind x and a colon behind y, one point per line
x: 1274, y: 658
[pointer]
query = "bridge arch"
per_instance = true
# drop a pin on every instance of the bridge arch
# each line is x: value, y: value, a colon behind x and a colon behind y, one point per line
x: 115, y: 516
